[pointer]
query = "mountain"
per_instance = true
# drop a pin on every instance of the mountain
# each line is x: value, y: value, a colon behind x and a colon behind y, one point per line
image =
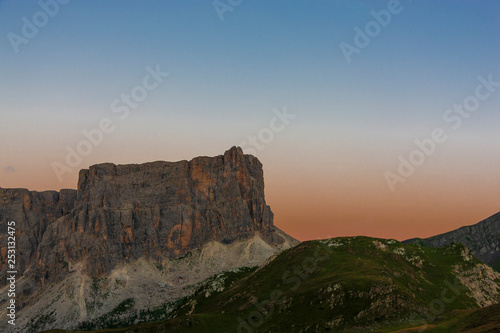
x: 191, y: 246
x: 353, y: 284
x: 136, y: 225
x: 483, y: 240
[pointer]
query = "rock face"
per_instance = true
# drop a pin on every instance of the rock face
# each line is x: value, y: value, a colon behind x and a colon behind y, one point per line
x: 33, y: 213
x: 120, y: 213
x: 482, y: 239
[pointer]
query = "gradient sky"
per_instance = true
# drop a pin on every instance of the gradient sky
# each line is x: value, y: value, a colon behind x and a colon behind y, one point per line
x: 325, y: 170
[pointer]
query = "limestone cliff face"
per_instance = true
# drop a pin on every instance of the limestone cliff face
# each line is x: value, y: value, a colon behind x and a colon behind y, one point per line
x: 124, y: 212
x: 33, y: 212
x: 482, y: 239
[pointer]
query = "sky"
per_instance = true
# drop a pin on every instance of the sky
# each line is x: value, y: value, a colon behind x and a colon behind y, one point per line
x: 376, y: 118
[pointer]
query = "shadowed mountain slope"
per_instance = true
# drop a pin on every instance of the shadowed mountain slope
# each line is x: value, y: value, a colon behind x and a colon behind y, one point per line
x: 482, y: 239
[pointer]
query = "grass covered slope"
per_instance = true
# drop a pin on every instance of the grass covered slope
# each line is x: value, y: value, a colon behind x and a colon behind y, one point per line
x: 342, y: 284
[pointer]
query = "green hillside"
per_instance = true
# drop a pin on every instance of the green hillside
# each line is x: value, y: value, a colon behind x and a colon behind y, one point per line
x: 342, y: 284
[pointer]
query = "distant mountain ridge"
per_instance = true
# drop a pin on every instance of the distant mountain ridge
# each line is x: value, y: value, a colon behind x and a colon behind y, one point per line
x: 482, y: 239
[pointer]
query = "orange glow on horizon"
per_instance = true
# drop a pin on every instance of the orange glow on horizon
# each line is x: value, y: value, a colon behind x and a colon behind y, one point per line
x: 310, y: 201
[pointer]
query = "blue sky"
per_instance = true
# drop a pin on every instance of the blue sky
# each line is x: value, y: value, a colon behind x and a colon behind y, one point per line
x: 226, y: 77
x: 280, y: 52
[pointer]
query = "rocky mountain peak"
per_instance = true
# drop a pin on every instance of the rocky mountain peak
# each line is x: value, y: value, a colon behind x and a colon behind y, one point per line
x: 154, y: 211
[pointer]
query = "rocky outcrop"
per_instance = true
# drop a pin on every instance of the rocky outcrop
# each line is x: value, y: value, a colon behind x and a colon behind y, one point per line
x: 153, y: 211
x: 482, y: 239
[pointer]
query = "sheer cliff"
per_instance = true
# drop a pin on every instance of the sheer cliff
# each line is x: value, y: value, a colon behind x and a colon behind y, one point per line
x: 121, y: 213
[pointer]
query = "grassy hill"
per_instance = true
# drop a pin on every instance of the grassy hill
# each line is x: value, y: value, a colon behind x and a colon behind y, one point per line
x: 343, y: 284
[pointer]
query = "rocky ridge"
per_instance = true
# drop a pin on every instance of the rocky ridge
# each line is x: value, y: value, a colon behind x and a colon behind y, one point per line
x: 482, y: 239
